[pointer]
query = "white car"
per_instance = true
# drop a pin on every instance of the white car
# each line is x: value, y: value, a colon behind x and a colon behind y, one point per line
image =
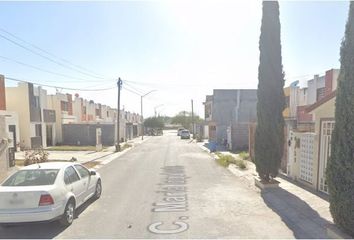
x: 47, y: 192
x: 185, y: 134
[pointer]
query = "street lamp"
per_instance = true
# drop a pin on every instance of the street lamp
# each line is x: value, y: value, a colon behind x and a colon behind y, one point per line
x: 142, y: 118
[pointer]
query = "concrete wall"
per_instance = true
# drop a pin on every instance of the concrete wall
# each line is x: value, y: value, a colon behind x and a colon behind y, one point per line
x: 2, y: 93
x: 3, y: 150
x: 85, y: 134
x: 231, y: 107
x: 17, y: 100
x: 302, y: 158
x: 240, y: 136
x: 314, y: 84
x: 11, y: 118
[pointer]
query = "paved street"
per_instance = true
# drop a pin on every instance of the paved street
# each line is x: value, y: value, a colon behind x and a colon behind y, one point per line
x: 170, y: 188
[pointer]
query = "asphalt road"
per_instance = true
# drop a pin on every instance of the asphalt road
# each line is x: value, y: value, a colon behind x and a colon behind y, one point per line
x: 167, y: 188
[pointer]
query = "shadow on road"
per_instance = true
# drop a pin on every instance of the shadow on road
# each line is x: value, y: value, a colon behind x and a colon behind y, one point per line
x: 38, y: 230
x: 303, y: 220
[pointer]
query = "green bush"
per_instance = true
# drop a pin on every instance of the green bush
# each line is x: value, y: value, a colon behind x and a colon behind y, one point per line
x: 244, y: 155
x: 225, y: 159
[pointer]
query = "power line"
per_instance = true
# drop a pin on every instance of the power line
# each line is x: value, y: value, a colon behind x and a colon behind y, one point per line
x: 44, y: 51
x: 47, y: 58
x: 132, y: 91
x: 134, y: 88
x: 48, y: 71
x: 58, y: 87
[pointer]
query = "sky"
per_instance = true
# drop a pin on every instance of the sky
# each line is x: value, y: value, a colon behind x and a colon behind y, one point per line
x: 180, y: 49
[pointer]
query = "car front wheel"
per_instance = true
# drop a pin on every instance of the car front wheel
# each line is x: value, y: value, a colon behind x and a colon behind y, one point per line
x: 98, y: 190
x: 69, y: 214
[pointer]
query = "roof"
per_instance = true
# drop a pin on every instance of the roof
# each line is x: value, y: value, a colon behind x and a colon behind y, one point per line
x: 48, y: 165
x: 320, y: 102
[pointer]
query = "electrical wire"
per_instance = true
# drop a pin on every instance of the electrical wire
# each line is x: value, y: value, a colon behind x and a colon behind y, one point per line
x: 48, y: 71
x: 131, y: 91
x: 58, y: 87
x: 133, y: 88
x: 47, y: 58
x: 46, y: 52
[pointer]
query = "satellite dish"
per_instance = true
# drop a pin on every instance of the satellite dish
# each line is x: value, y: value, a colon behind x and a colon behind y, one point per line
x: 294, y: 84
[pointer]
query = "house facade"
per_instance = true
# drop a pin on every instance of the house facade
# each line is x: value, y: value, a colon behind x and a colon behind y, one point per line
x: 309, y: 141
x: 228, y: 113
x: 37, y: 121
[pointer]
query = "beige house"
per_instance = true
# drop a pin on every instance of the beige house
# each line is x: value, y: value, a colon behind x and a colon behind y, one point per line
x: 309, y: 151
x: 323, y: 112
x: 36, y: 118
x: 63, y: 106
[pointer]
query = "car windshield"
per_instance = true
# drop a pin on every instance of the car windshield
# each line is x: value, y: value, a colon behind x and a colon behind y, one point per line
x: 185, y: 131
x: 33, y: 177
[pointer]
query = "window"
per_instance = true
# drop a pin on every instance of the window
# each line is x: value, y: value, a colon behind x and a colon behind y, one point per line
x: 33, y: 177
x: 70, y: 175
x: 321, y: 92
x: 36, y: 101
x: 82, y: 171
x: 38, y: 130
x: 84, y: 110
x: 64, y: 106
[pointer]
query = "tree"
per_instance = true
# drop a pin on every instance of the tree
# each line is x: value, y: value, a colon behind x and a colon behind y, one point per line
x: 184, y: 118
x: 340, y: 167
x: 154, y: 122
x: 271, y: 101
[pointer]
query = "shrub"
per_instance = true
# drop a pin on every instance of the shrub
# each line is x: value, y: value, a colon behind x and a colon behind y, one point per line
x: 35, y: 156
x: 244, y: 155
x: 340, y: 166
x: 126, y: 145
x: 225, y: 159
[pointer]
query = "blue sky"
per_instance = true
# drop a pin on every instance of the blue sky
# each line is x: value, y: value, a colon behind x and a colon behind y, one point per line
x: 183, y: 49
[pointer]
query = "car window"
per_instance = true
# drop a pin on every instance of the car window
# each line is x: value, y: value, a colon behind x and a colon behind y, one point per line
x: 82, y: 171
x: 66, y: 178
x: 71, y: 174
x: 33, y: 177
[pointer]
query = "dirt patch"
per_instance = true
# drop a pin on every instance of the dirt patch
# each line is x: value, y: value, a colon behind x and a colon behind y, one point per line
x: 91, y: 164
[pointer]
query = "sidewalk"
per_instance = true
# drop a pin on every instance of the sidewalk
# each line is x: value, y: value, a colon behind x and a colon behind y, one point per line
x: 305, y: 213
x: 102, y: 157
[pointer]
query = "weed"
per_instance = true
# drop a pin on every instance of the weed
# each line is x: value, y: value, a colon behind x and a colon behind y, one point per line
x: 244, y: 155
x: 224, y: 160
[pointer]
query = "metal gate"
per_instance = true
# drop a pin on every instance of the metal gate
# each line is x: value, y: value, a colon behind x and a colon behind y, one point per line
x: 325, y: 151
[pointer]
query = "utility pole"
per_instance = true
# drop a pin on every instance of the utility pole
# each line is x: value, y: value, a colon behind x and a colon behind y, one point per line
x: 119, y: 84
x: 192, y: 119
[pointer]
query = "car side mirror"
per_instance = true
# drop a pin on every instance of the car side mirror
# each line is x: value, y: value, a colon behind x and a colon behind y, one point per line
x: 92, y: 172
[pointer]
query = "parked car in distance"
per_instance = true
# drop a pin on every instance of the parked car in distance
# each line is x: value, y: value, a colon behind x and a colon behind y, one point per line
x: 185, y: 134
x: 47, y: 192
x: 179, y: 131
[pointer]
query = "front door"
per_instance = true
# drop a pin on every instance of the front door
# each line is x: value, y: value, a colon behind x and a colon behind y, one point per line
x: 49, y: 130
x: 325, y: 151
x: 12, y: 130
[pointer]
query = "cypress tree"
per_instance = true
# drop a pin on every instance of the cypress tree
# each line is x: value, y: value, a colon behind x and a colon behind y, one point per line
x: 340, y: 167
x: 271, y: 101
